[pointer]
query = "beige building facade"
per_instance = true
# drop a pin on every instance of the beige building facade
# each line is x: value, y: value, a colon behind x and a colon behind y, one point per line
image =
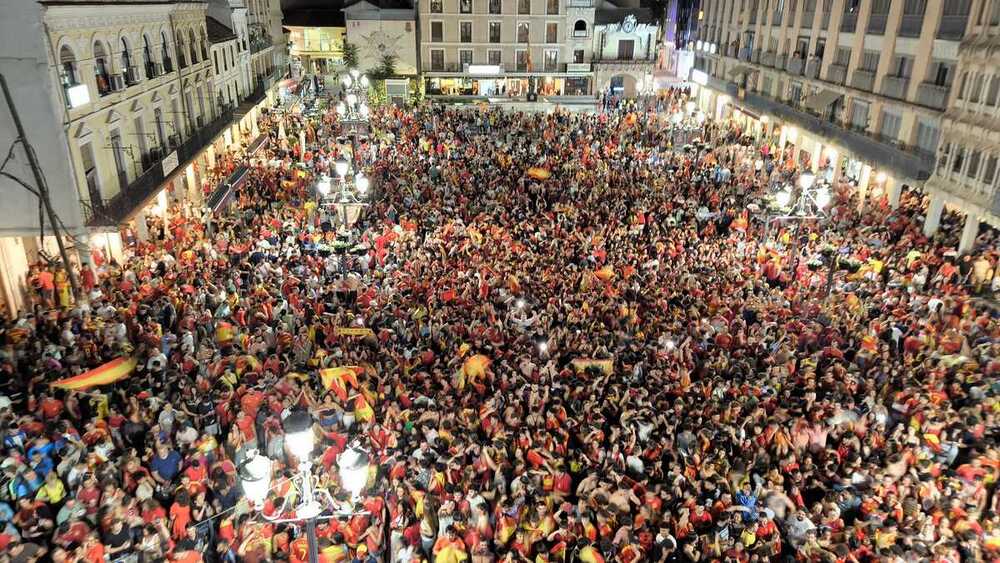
x: 858, y: 87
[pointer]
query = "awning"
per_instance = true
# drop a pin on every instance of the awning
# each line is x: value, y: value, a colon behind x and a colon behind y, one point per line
x: 821, y: 100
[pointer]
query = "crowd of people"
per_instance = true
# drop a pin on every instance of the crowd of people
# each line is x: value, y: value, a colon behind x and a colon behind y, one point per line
x: 586, y: 344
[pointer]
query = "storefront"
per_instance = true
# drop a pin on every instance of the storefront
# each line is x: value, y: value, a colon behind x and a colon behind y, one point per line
x: 509, y: 85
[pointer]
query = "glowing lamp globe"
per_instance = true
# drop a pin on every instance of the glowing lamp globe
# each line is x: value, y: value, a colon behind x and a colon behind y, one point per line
x: 299, y: 435
x: 255, y: 478
x: 323, y: 185
x: 364, y: 81
x: 361, y: 182
x: 353, y: 465
x: 823, y: 198
x: 783, y: 198
x: 807, y: 180
x: 351, y: 99
x: 341, y: 108
x: 340, y: 165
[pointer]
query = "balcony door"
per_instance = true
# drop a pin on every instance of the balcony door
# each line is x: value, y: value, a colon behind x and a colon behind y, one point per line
x: 626, y: 49
x: 90, y: 173
x: 118, y: 151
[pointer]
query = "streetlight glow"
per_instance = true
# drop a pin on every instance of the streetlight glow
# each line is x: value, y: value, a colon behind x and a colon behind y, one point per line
x: 361, y: 182
x: 323, y: 185
x: 299, y: 436
x: 783, y: 198
x: 807, y: 180
x: 255, y: 478
x: 822, y: 198
x: 351, y: 99
x: 353, y: 464
x: 340, y: 165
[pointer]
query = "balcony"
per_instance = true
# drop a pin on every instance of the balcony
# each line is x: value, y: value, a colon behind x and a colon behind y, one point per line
x: 580, y: 3
x: 795, y: 66
x: 116, y: 210
x: 895, y: 86
x: 824, y: 22
x: 952, y: 27
x: 755, y: 56
x: 745, y: 54
x: 813, y: 66
x: 933, y: 95
x: 103, y: 80
x: 260, y: 42
x: 168, y: 65
x: 782, y: 62
x: 876, y: 24
x: 837, y: 74
x: 776, y: 18
x: 753, y: 18
x: 131, y: 76
x: 900, y: 161
x: 863, y: 80
x: 731, y: 51
x: 767, y: 59
x: 807, y: 19
x: 848, y: 23
x: 576, y: 33
x: 911, y: 25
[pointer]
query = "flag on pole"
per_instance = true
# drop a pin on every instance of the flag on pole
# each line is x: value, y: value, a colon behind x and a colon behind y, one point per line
x: 110, y: 372
x: 337, y: 379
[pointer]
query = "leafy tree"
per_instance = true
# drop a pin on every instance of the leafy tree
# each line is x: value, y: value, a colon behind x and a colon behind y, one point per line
x: 350, y: 55
x: 385, y: 69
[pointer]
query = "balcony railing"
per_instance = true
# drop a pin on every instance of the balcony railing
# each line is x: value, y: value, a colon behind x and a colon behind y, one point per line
x: 103, y: 83
x: 731, y: 51
x: 952, y: 27
x: 755, y: 56
x: 807, y: 19
x: 813, y: 66
x: 824, y: 22
x: 131, y: 75
x: 776, y: 18
x: 114, y: 211
x: 795, y: 65
x: 911, y: 25
x: 745, y: 54
x: 837, y: 74
x: 258, y: 44
x: 782, y: 62
x: 753, y: 18
x: 895, y: 86
x: 848, y: 23
x: 933, y: 95
x: 767, y: 59
x: 876, y: 24
x: 168, y: 65
x: 580, y: 3
x: 576, y: 33
x: 863, y: 80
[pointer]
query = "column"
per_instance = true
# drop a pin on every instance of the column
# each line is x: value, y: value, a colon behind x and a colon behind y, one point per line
x: 863, y: 183
x: 817, y: 154
x: 782, y: 139
x: 969, y: 233
x: 933, y: 220
x: 141, y: 232
x: 194, y: 193
x: 894, y: 189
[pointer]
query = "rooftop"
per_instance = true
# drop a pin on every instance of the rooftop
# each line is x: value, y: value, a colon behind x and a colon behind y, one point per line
x: 314, y: 18
x: 217, y: 31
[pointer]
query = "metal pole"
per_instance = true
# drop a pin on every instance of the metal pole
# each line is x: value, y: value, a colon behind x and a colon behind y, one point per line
x: 311, y: 539
x: 43, y: 188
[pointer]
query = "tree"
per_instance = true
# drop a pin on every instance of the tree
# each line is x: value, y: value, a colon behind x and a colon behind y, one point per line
x: 350, y: 55
x: 385, y: 69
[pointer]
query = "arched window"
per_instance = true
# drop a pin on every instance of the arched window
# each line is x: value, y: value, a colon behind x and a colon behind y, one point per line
x: 977, y: 89
x: 182, y: 59
x: 147, y: 58
x: 193, y: 45
x: 102, y: 69
x: 128, y: 69
x: 168, y: 64
x: 67, y: 60
x: 580, y: 28
x: 204, y: 46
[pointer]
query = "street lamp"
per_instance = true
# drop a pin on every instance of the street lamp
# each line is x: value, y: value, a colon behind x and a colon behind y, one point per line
x: 353, y: 464
x: 340, y: 166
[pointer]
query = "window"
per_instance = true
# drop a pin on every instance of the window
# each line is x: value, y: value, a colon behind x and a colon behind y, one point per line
x: 465, y: 32
x: 165, y: 53
x: 494, y: 32
x: 437, y: 6
x: 522, y: 32
x: 551, y: 60
x: 941, y: 73
x: 795, y: 94
x: 902, y: 67
x: 522, y: 60
x: 551, y: 32
x: 437, y: 32
x: 495, y: 6
x: 101, y: 74
x: 977, y: 88
x: 914, y: 7
x: 626, y: 48
x: 578, y: 56
x: 465, y: 6
x: 869, y: 61
x: 523, y: 7
x: 961, y: 86
x: 990, y: 172
x: 437, y: 59
x: 215, y: 56
x: 130, y: 75
x: 994, y: 91
x: 890, y: 125
x: 927, y: 136
x: 494, y: 56
x: 843, y: 56
x: 580, y: 28
x: 147, y: 58
x: 859, y: 114
x: 973, y: 170
x: 956, y: 164
x: 465, y: 57
x: 552, y: 7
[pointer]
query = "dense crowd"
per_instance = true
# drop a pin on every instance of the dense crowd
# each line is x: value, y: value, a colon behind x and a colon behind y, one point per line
x: 624, y: 361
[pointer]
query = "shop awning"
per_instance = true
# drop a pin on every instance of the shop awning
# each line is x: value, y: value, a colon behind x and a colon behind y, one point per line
x: 821, y: 100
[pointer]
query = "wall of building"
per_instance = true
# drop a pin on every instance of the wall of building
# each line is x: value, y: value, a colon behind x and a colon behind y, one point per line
x: 376, y: 38
x: 226, y: 71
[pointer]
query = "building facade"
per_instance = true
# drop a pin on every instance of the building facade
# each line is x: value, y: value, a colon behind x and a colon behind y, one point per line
x: 316, y: 38
x: 625, y: 51
x: 268, y: 52
x: 381, y: 32
x: 506, y: 48
x: 123, y: 98
x: 965, y: 177
x: 232, y: 14
x: 857, y: 87
x: 229, y: 84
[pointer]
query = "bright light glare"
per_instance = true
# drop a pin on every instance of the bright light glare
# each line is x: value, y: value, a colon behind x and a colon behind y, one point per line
x: 255, y: 479
x: 783, y: 198
x: 353, y: 466
x: 806, y: 180
x: 361, y: 182
x: 822, y: 198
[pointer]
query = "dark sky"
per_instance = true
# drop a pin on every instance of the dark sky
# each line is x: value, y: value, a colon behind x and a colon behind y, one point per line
x: 312, y: 4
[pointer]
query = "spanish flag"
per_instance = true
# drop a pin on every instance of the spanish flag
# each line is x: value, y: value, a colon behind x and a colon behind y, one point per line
x: 475, y: 367
x: 110, y: 372
x: 539, y: 173
x: 224, y: 333
x: 336, y: 379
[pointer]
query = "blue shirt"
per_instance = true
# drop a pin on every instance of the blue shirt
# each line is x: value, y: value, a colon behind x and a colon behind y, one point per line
x: 166, y: 467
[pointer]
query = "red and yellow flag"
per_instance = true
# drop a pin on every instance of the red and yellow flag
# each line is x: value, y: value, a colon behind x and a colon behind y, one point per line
x: 336, y: 379
x: 110, y: 372
x: 539, y: 173
x: 475, y: 367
